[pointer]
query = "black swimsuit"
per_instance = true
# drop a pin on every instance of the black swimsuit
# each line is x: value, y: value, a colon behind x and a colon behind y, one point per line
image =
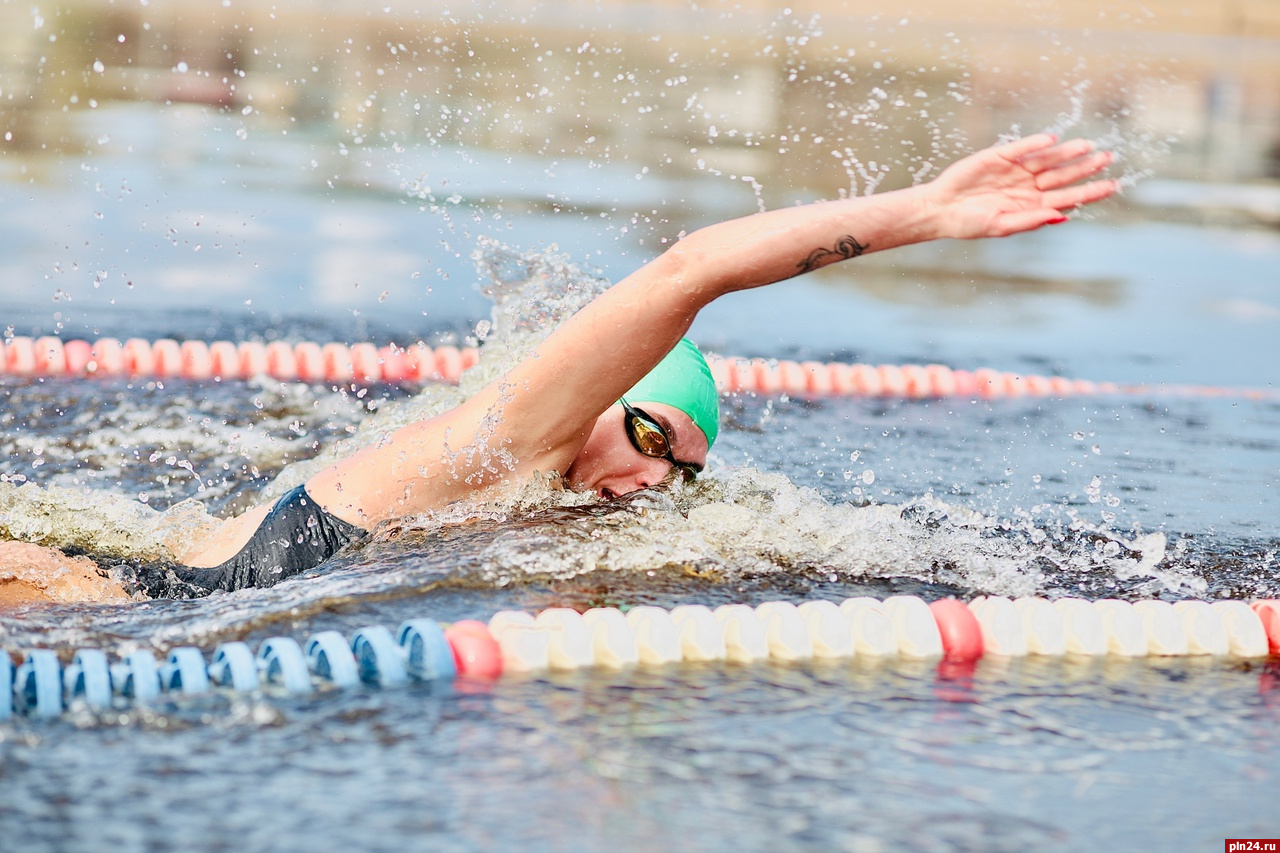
x: 295, y: 536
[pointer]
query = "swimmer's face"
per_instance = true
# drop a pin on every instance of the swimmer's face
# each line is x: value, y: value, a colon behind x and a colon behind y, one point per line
x: 610, y: 465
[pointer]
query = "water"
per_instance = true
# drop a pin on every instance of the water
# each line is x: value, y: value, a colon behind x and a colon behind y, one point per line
x: 345, y: 205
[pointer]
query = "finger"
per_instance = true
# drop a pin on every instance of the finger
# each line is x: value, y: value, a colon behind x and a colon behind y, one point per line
x: 1019, y: 148
x: 1040, y: 161
x: 1083, y: 194
x: 1025, y: 220
x: 1069, y: 173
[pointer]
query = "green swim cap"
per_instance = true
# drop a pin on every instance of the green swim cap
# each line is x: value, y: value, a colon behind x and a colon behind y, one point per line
x: 683, y: 379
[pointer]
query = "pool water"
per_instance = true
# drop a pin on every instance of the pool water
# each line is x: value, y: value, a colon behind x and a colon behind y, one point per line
x: 178, y: 226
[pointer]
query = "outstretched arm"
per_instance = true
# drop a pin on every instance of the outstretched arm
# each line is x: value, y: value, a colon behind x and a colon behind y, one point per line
x: 996, y: 192
x: 604, y: 349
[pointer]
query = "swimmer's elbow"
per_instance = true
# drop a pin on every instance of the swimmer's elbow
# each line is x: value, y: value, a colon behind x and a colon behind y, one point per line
x: 696, y: 266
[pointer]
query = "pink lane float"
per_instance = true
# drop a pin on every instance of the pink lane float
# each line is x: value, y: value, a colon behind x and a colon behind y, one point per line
x: 365, y: 363
x: 948, y: 631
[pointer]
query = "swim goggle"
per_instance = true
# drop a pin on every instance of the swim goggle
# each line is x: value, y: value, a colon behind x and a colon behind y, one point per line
x: 648, y: 437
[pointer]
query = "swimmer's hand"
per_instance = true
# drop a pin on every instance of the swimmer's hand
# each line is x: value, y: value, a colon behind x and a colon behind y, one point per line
x: 1019, y: 186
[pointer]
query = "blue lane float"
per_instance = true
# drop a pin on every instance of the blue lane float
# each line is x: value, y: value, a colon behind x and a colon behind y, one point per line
x: 90, y: 677
x: 329, y: 656
x: 38, y: 684
x: 137, y: 677
x: 282, y: 662
x: 40, y: 687
x: 378, y: 657
x: 428, y: 653
x: 185, y: 672
x: 6, y: 687
x: 234, y: 666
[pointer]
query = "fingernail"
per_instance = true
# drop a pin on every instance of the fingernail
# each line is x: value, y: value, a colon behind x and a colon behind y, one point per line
x: 1057, y: 220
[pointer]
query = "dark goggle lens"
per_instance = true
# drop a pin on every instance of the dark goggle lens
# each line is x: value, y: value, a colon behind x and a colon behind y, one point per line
x: 649, y: 438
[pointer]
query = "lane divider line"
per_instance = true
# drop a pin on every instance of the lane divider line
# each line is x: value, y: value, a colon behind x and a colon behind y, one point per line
x: 364, y: 363
x: 166, y: 358
x: 560, y: 638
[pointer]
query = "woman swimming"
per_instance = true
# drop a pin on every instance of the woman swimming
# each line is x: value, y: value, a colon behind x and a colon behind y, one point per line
x: 615, y: 399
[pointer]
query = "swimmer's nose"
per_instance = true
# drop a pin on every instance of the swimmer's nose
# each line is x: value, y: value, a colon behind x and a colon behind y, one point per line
x: 633, y: 481
x: 634, y: 484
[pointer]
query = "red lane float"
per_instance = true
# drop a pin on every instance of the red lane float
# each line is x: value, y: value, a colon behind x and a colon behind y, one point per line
x: 475, y: 651
x: 20, y: 356
x: 253, y: 359
x: 50, y: 359
x: 281, y: 361
x: 1269, y: 613
x: 108, y: 357
x: 365, y: 363
x: 78, y: 355
x: 136, y: 358
x: 197, y: 361
x: 167, y: 355
x: 961, y: 633
x: 309, y: 362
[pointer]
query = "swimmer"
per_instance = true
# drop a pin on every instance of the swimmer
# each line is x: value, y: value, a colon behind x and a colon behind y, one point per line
x: 616, y: 398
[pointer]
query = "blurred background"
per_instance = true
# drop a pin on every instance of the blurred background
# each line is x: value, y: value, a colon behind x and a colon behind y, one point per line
x: 336, y: 162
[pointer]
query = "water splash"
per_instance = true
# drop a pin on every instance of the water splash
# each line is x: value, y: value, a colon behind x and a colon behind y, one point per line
x: 743, y: 523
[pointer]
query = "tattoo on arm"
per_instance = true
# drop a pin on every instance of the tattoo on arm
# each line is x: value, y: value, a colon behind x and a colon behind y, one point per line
x: 845, y: 248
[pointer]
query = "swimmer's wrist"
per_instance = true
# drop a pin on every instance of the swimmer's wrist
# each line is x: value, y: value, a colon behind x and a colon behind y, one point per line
x: 929, y: 220
x: 913, y: 215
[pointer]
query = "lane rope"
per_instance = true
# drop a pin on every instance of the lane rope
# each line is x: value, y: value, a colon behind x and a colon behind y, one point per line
x: 365, y: 363
x: 948, y: 631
